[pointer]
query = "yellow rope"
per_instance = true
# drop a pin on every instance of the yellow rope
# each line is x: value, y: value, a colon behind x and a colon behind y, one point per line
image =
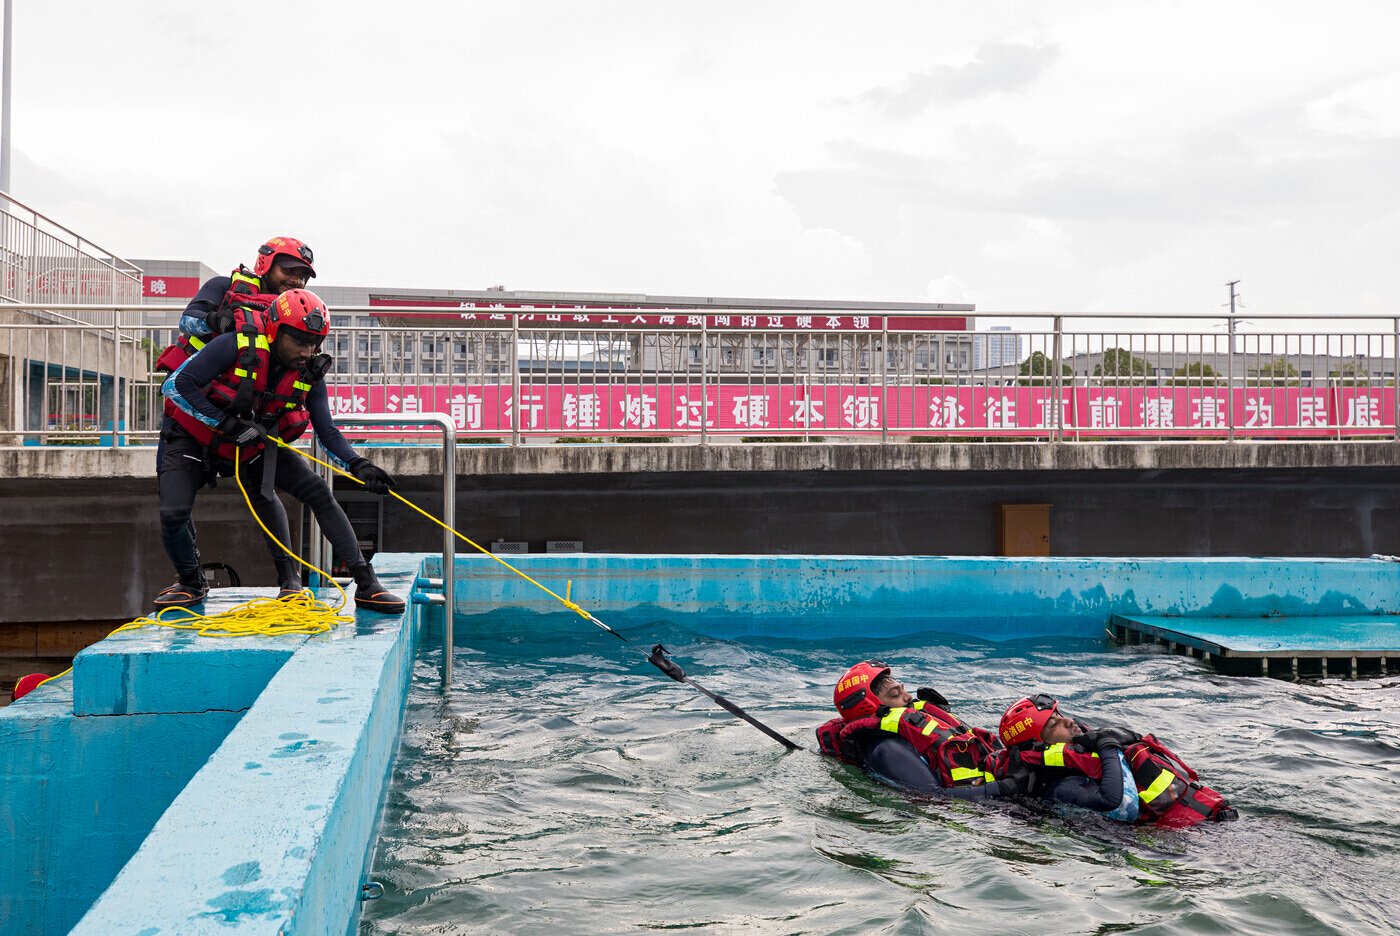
x: 256, y: 617
x: 304, y: 614
x: 479, y: 548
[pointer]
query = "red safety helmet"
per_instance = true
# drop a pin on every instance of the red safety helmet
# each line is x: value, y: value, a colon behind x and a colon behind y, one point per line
x: 283, y: 247
x: 300, y: 310
x: 1025, y: 719
x: 853, y: 698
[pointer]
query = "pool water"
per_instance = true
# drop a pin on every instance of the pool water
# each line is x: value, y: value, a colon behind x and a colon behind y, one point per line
x: 568, y: 786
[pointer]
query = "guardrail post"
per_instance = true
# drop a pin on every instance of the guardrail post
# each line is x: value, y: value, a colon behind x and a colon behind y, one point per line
x: 1395, y: 376
x: 884, y: 379
x: 704, y: 380
x: 1057, y: 383
x: 515, y: 378
x: 1230, y: 383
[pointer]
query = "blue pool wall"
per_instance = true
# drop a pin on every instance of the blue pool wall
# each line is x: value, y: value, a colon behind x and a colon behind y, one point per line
x: 818, y: 597
x: 80, y: 795
x: 202, y: 785
x: 235, y: 785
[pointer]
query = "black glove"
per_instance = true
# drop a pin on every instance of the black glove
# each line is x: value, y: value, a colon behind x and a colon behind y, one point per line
x: 220, y: 321
x: 317, y: 367
x: 925, y: 694
x: 240, y: 431
x: 1101, y: 738
x: 376, y: 480
x: 1021, y: 783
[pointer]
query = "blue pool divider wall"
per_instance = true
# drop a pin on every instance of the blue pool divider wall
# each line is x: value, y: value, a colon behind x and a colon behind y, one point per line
x: 819, y: 597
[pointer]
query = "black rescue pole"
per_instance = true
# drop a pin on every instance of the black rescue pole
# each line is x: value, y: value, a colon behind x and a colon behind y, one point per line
x: 668, y: 666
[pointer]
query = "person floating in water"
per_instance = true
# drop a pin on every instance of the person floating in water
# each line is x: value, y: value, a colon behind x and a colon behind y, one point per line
x: 912, y: 743
x: 1112, y: 770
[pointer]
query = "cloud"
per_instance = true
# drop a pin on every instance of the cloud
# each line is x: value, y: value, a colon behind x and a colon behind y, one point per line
x: 1368, y: 109
x: 997, y: 67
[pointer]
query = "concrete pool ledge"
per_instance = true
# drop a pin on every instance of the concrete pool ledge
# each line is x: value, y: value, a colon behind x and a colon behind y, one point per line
x: 161, y: 670
x: 273, y: 834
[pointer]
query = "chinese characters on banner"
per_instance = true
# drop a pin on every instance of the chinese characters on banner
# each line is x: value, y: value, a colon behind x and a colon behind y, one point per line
x: 574, y: 316
x: 1029, y: 411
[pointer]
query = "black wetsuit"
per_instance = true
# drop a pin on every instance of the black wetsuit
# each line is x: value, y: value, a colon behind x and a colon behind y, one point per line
x: 183, y: 465
x: 893, y: 760
x: 1103, y: 795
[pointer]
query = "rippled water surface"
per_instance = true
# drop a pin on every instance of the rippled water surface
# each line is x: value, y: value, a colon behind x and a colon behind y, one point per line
x: 568, y: 787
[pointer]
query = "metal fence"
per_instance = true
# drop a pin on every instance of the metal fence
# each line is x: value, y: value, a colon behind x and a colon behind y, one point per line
x: 1210, y: 377
x: 43, y: 263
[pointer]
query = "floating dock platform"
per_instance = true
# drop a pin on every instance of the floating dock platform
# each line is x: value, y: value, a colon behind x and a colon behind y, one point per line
x: 1342, y: 646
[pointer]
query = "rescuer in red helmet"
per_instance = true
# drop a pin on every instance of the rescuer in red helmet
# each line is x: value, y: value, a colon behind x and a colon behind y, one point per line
x: 910, y: 742
x: 1115, y: 771
x: 223, y: 404
x: 224, y: 303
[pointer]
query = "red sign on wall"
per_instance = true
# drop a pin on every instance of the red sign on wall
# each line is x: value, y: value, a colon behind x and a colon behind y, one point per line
x: 545, y: 315
x: 169, y: 287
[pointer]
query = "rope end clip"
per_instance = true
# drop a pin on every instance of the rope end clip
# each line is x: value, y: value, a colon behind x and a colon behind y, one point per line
x: 658, y: 658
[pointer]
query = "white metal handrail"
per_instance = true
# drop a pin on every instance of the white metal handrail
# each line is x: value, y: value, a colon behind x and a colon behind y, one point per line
x: 443, y: 422
x: 533, y: 382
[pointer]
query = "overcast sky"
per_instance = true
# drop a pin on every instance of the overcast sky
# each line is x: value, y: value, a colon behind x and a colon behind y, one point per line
x: 1078, y: 157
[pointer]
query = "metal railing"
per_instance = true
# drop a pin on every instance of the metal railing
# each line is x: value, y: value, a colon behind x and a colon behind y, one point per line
x: 1210, y: 376
x: 43, y: 264
x: 317, y: 543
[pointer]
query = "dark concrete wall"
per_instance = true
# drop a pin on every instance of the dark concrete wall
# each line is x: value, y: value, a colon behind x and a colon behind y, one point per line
x: 1335, y: 512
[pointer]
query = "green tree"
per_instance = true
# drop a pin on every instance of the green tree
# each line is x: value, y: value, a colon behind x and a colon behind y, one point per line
x: 1276, y: 371
x: 1039, y: 365
x: 1352, y: 372
x: 1196, y: 369
x: 1118, y: 362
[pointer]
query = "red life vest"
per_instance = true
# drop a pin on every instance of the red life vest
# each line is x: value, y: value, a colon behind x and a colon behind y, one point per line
x: 956, y: 754
x: 242, y: 390
x: 1053, y: 761
x: 244, y: 298
x: 1169, y: 794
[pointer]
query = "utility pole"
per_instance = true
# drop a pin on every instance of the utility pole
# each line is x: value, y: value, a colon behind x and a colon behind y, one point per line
x: 1230, y: 365
x: 5, y: 107
x: 1233, y: 295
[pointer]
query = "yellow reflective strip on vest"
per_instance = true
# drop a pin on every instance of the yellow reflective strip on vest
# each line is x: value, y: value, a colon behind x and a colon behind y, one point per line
x: 196, y: 343
x: 931, y: 727
x: 291, y: 406
x: 1055, y: 755
x: 966, y: 773
x: 917, y: 705
x: 242, y: 340
x: 301, y: 386
x: 891, y: 721
x: 240, y: 372
x: 1159, y: 786
x: 262, y: 343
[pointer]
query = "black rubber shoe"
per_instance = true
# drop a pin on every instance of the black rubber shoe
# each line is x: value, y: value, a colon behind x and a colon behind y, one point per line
x: 288, y: 590
x: 372, y: 596
x: 182, y: 595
